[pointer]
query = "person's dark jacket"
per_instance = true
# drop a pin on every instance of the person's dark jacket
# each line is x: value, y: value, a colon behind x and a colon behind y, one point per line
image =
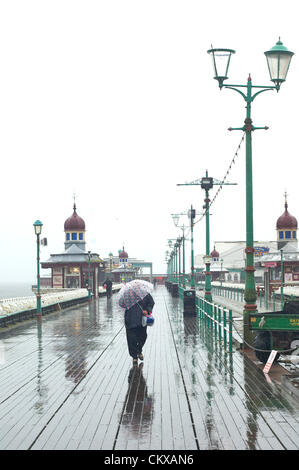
x: 108, y: 284
x: 133, y: 315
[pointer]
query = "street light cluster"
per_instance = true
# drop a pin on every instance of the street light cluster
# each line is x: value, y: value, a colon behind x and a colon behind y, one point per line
x: 176, y: 271
x: 278, y: 61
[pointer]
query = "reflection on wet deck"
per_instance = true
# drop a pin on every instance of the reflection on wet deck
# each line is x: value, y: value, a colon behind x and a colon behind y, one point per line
x: 69, y: 384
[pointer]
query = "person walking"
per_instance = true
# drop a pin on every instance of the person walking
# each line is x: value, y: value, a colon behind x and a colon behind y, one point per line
x: 135, y: 297
x: 135, y: 331
x: 108, y: 286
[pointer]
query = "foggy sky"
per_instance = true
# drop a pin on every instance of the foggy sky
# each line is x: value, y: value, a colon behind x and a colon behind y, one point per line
x: 116, y: 101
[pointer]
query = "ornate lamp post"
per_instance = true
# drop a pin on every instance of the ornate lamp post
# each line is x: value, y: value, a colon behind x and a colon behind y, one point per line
x: 110, y: 259
x: 278, y: 60
x: 176, y: 218
x: 38, y: 230
x: 167, y: 261
x: 173, y: 258
x: 221, y: 261
x: 191, y: 214
x: 171, y: 269
x: 281, y: 279
x: 89, y: 287
x: 207, y: 184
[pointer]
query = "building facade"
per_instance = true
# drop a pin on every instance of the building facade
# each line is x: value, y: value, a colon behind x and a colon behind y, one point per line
x: 281, y: 265
x: 271, y: 258
x: 71, y: 268
x: 123, y: 268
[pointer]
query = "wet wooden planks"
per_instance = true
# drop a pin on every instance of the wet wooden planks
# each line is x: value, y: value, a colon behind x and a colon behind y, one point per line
x: 159, y: 417
x: 89, y: 417
x: 75, y: 388
x: 232, y: 404
x: 32, y: 396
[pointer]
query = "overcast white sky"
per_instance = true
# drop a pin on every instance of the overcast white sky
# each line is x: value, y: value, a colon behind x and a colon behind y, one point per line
x: 115, y: 100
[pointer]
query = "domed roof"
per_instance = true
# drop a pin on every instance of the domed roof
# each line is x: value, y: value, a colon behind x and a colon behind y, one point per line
x: 123, y: 254
x: 286, y: 220
x: 214, y: 253
x: 74, y: 222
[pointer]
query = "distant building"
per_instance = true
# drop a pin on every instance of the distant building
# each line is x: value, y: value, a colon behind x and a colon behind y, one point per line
x: 286, y: 227
x: 286, y: 252
x: 229, y: 259
x: 122, y: 268
x: 69, y: 269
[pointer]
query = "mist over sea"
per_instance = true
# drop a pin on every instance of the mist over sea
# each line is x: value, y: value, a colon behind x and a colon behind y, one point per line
x: 15, y: 289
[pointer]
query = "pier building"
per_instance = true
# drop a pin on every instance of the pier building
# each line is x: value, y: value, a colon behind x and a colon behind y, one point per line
x: 228, y: 257
x: 284, y: 259
x: 123, y: 268
x: 70, y: 268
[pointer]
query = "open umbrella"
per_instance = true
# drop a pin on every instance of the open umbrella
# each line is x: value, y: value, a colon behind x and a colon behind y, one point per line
x: 133, y: 292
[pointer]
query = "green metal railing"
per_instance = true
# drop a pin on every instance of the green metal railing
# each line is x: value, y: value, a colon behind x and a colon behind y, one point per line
x: 218, y: 319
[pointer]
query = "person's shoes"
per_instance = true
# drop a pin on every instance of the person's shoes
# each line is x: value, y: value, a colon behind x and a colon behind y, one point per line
x: 135, y: 361
x: 140, y: 356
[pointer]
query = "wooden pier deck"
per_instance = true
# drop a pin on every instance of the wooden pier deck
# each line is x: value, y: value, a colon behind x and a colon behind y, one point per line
x: 68, y: 383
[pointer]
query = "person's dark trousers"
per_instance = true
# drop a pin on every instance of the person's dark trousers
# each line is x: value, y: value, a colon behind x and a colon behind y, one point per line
x: 136, y: 338
x: 109, y: 292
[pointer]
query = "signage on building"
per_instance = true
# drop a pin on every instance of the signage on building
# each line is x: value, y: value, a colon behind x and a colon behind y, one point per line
x: 270, y: 264
x: 57, y: 281
x: 261, y: 250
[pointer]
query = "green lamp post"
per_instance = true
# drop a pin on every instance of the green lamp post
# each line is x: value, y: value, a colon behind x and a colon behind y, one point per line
x: 173, y: 258
x: 111, y: 261
x: 38, y: 230
x: 176, y: 218
x: 281, y: 279
x: 177, y: 260
x: 221, y: 261
x: 167, y: 261
x: 207, y: 184
x: 278, y: 60
x: 89, y: 286
x: 171, y: 267
x: 192, y: 214
x: 178, y: 250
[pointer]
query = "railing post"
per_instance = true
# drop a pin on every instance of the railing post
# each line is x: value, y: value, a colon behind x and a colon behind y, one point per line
x: 219, y: 322
x: 215, y: 320
x: 224, y: 327
x: 230, y: 329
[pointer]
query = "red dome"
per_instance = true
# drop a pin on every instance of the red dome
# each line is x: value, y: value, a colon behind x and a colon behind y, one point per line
x: 123, y: 254
x: 214, y: 253
x: 286, y: 220
x: 74, y: 222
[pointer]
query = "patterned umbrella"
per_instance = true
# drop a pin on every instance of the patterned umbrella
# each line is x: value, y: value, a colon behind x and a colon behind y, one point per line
x: 133, y: 292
